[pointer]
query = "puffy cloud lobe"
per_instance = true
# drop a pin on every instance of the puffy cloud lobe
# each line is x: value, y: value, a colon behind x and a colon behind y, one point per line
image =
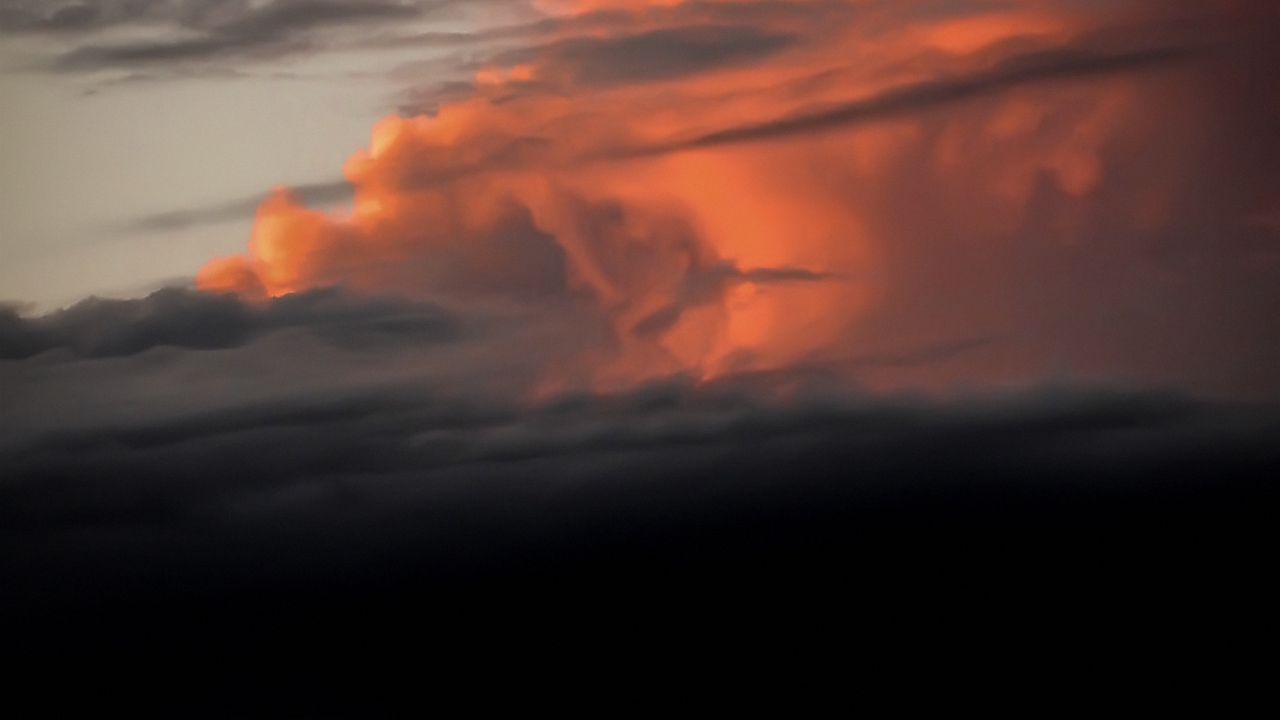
x: 504, y: 252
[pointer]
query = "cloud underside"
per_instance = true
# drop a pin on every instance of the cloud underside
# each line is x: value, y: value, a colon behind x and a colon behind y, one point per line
x: 309, y: 531
x: 407, y: 490
x: 195, y: 414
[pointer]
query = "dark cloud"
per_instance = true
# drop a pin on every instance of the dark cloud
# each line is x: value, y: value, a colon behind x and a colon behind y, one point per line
x: 314, y: 194
x: 325, y: 442
x: 586, y: 61
x: 44, y: 16
x: 69, y: 17
x: 1021, y: 70
x: 400, y: 450
x: 705, y: 286
x: 314, y: 523
x: 174, y: 317
x: 299, y: 496
x: 80, y: 16
x: 663, y: 54
x: 336, y: 441
x: 275, y: 27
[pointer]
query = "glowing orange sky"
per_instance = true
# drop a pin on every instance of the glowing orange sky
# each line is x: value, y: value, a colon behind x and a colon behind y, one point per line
x: 763, y: 253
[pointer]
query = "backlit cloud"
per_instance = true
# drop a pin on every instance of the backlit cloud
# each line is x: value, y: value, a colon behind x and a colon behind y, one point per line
x: 942, y: 158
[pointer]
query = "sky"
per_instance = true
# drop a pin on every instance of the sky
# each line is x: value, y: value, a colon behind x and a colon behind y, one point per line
x: 94, y: 151
x: 381, y: 297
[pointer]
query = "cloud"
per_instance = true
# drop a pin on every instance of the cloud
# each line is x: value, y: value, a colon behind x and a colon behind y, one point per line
x: 27, y: 16
x: 318, y: 194
x: 1018, y: 71
x: 708, y: 286
x: 898, y: 102
x: 667, y: 302
x: 1052, y: 174
x: 67, y: 17
x: 271, y: 28
x: 655, y: 55
x: 757, y: 492
x: 182, y: 318
x: 433, y: 434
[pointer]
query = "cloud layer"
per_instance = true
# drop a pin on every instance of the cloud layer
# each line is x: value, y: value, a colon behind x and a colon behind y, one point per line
x: 288, y: 501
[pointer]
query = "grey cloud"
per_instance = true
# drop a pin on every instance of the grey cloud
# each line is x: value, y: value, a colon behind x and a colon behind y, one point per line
x: 662, y: 54
x: 279, y: 488
x: 703, y: 286
x: 444, y: 168
x: 59, y: 18
x: 274, y: 28
x: 420, y: 431
x: 316, y: 194
x: 68, y: 16
x: 180, y: 318
x: 1022, y: 70
x: 674, y: 472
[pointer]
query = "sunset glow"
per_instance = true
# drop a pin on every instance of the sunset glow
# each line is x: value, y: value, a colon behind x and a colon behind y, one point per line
x: 707, y: 255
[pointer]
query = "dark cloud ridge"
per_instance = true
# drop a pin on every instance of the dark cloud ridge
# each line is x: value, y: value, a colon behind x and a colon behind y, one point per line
x: 1044, y: 67
x: 677, y: 472
x: 656, y: 55
x: 181, y: 318
x: 274, y: 27
x: 315, y: 194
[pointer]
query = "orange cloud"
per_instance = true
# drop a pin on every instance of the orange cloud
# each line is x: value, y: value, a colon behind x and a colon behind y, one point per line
x: 736, y: 194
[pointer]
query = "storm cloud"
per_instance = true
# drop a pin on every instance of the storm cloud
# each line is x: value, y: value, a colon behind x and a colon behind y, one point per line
x: 305, y: 524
